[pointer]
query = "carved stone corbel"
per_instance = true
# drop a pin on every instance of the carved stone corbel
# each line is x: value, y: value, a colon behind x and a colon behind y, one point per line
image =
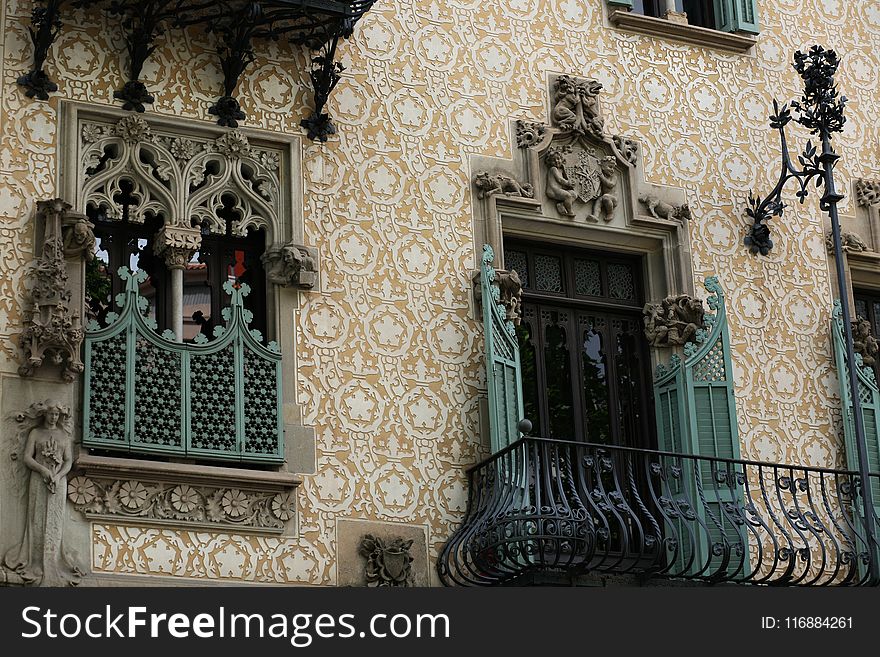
x: 510, y: 288
x: 849, y: 242
x: 674, y: 321
x: 291, y: 265
x: 49, y: 327
x: 78, y: 236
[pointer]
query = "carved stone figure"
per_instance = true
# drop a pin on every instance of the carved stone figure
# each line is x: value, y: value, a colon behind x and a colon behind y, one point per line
x: 40, y: 558
x: 849, y: 242
x: 78, y: 236
x: 864, y: 342
x: 529, y: 133
x: 559, y: 188
x: 499, y: 183
x: 50, y: 328
x: 628, y: 148
x: 606, y: 202
x: 511, y: 293
x: 388, y: 563
x: 662, y: 210
x: 576, y: 106
x: 868, y: 192
x: 674, y: 321
x: 290, y: 265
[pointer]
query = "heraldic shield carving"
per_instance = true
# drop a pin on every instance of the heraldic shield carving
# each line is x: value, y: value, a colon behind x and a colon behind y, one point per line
x: 389, y: 563
x: 582, y: 169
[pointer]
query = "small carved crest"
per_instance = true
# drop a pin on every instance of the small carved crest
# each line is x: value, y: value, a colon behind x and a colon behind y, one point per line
x: 582, y: 168
x: 388, y: 563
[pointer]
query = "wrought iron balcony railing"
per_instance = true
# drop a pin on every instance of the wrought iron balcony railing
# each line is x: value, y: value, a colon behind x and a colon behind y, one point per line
x: 555, y: 507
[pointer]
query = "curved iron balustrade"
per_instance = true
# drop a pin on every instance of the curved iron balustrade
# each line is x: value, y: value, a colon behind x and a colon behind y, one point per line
x: 558, y: 507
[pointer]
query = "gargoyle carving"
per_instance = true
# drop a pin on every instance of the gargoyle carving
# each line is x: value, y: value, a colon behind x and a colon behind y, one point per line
x: 576, y: 106
x: 662, y: 210
x: 78, y: 236
x: 864, y: 342
x: 388, y: 563
x: 490, y: 184
x: 674, y: 321
x: 629, y: 148
x: 291, y: 265
x: 849, y: 242
x: 510, y: 289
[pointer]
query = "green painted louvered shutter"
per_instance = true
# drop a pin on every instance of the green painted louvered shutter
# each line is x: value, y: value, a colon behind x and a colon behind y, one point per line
x: 620, y: 3
x: 696, y: 414
x: 737, y: 15
x: 869, y: 396
x: 503, y: 372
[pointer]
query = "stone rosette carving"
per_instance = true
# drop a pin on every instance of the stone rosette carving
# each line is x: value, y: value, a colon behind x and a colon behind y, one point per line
x: 576, y: 106
x: 291, y: 265
x: 674, y: 321
x: 50, y: 329
x: 182, y: 504
x: 660, y: 209
x: 864, y: 342
x: 850, y: 242
x: 45, y: 449
x: 529, y: 133
x: 490, y: 184
x: 868, y: 192
x: 389, y: 563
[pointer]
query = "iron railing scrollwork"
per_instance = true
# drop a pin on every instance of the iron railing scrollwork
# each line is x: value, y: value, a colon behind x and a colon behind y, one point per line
x: 552, y: 507
x: 147, y: 393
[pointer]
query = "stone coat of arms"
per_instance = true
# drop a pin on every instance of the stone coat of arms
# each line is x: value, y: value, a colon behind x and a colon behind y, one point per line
x: 582, y: 169
x: 389, y: 563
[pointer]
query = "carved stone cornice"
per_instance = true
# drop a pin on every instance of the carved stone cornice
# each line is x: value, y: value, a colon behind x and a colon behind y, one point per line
x: 686, y: 33
x: 206, y: 497
x: 868, y: 192
x: 291, y: 265
x: 49, y: 327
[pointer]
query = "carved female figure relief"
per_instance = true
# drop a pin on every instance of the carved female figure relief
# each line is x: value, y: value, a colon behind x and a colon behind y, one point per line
x: 40, y: 558
x: 559, y: 188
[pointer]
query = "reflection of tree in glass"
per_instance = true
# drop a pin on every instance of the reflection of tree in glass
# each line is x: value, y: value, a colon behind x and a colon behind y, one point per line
x: 628, y: 383
x: 98, y: 289
x: 529, y: 364
x: 558, y: 368
x: 595, y: 387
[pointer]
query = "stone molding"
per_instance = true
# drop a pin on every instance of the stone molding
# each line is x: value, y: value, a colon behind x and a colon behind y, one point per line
x: 676, y: 31
x: 183, y: 495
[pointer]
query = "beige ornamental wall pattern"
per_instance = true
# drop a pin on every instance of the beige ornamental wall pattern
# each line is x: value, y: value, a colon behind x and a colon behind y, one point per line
x: 389, y: 352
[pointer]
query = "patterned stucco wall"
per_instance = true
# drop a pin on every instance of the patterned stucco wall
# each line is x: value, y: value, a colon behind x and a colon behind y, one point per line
x: 389, y: 354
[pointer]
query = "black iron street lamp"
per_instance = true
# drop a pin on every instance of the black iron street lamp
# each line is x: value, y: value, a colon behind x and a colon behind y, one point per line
x: 820, y: 110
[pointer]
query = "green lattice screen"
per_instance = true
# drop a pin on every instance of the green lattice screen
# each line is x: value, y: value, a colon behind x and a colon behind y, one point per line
x: 147, y: 393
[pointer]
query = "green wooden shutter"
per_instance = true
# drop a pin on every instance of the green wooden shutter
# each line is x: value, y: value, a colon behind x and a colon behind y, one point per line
x: 869, y: 397
x: 503, y: 372
x: 696, y: 414
x: 737, y: 16
x: 620, y: 3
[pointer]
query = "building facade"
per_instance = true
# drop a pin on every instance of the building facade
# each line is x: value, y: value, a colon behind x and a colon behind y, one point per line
x: 263, y: 331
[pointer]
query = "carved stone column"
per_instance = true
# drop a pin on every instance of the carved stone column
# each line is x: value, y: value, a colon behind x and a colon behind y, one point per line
x: 177, y: 244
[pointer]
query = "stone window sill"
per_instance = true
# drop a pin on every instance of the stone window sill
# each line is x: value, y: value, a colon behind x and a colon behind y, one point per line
x: 692, y: 34
x: 183, y: 495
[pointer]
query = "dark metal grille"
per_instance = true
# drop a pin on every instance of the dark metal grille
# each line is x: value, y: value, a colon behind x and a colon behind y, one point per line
x: 565, y: 508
